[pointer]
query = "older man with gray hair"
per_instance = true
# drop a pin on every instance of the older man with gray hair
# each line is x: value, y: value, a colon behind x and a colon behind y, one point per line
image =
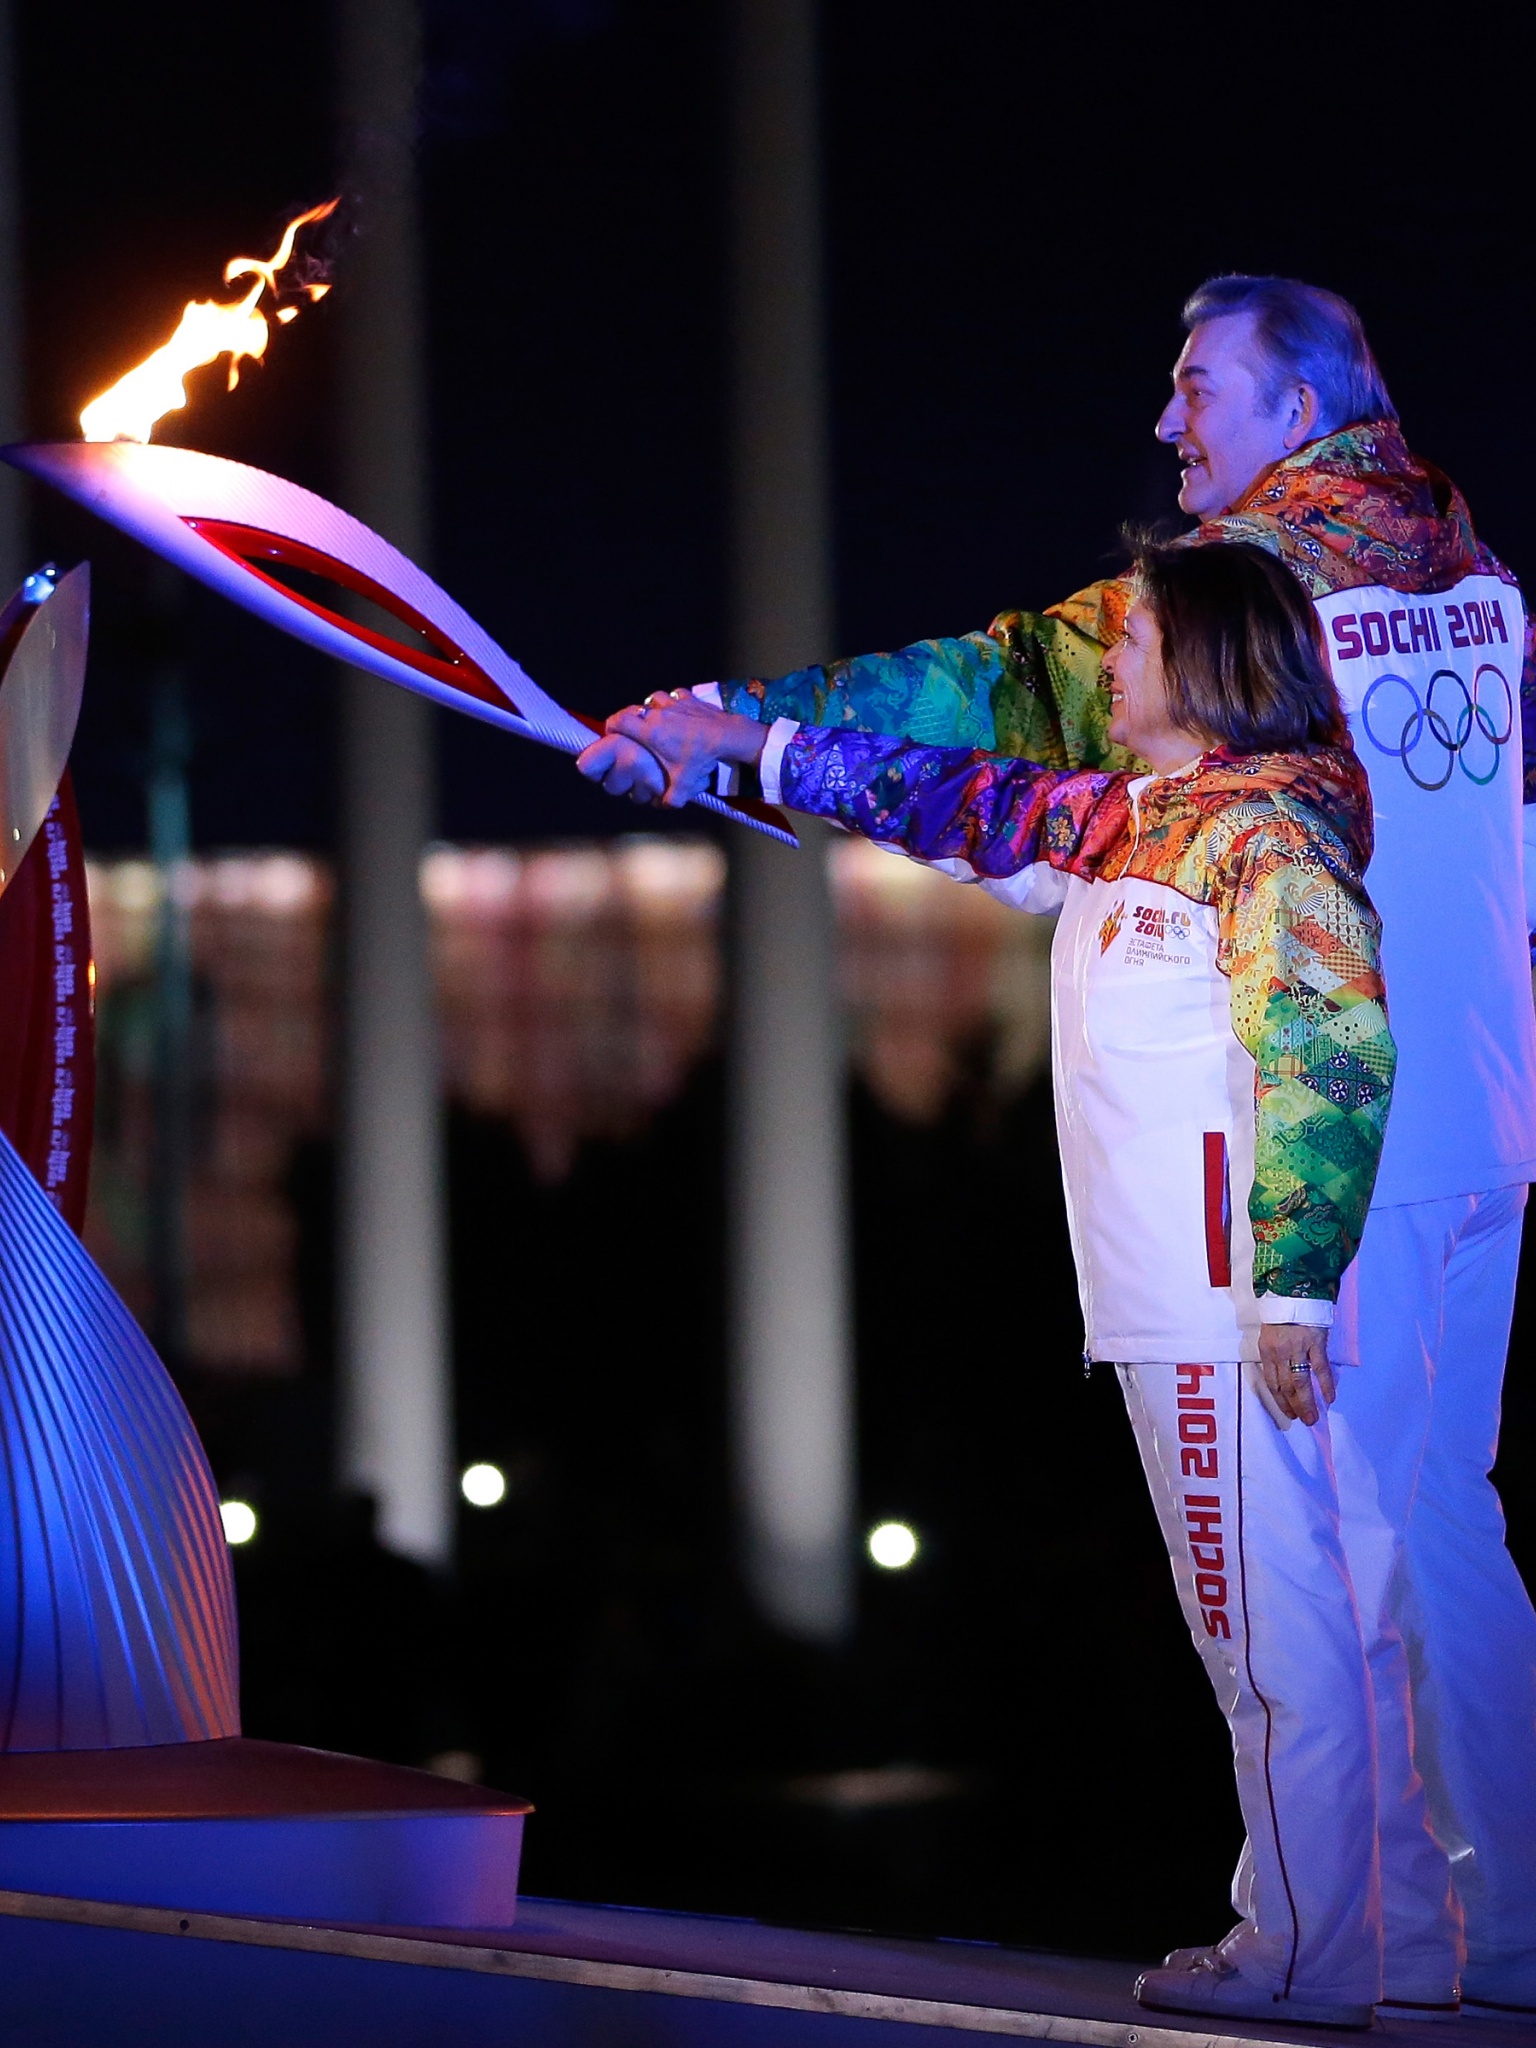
x: 1288, y: 439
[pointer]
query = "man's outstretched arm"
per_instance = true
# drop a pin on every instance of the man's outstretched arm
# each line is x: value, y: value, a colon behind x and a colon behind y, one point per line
x: 1028, y: 687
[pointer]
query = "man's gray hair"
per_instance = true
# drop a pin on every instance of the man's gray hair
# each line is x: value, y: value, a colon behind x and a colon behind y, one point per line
x: 1305, y: 336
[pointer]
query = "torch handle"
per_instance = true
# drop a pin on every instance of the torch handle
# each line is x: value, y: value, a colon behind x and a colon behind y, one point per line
x: 563, y: 743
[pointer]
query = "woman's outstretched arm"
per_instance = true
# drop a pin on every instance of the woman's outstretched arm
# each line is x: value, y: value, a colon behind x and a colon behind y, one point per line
x: 997, y: 814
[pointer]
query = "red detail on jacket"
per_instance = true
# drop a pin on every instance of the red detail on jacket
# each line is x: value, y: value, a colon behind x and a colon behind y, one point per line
x: 1218, y: 1211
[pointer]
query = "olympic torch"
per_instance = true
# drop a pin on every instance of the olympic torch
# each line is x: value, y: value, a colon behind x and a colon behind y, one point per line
x: 242, y: 531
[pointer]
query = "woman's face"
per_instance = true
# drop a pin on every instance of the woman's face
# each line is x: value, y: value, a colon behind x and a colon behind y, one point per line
x: 1138, y: 696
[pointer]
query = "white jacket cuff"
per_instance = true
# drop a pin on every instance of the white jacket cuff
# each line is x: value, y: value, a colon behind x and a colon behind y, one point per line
x: 771, y: 763
x: 1039, y: 889
x: 1287, y: 1308
x: 727, y: 775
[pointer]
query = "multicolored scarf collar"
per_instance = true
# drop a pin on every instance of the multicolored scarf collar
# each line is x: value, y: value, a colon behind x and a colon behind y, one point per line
x: 1357, y: 507
x: 1329, y: 780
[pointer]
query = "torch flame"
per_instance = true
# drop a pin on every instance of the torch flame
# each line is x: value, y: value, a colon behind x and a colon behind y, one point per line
x: 131, y: 408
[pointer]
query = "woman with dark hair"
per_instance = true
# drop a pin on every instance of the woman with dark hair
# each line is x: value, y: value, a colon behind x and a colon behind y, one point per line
x: 1250, y: 668
x: 1223, y: 1067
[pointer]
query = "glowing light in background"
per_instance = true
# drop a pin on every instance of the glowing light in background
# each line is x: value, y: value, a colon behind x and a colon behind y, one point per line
x: 892, y: 1545
x: 483, y: 1485
x: 151, y: 389
x: 239, y: 1519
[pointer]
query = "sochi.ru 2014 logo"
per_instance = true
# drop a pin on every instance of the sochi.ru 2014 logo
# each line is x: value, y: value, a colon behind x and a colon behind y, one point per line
x: 1450, y: 724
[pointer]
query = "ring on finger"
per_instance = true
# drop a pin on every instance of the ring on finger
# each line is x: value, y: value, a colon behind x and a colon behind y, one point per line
x: 1301, y: 1370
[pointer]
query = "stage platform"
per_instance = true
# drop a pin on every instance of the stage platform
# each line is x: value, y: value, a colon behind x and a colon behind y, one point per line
x: 82, y: 1974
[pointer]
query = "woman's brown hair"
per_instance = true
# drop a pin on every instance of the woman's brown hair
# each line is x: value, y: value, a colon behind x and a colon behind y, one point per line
x: 1243, y: 655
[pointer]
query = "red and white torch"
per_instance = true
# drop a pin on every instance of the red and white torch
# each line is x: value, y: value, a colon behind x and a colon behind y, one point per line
x: 234, y: 527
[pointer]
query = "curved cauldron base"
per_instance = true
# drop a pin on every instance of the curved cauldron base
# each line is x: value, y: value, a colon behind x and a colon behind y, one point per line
x: 236, y: 1826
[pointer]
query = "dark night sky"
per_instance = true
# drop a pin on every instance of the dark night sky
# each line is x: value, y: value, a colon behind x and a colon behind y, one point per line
x: 1017, y: 202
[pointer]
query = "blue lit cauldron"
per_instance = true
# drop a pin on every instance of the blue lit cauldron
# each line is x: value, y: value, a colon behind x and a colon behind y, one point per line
x: 123, y: 1773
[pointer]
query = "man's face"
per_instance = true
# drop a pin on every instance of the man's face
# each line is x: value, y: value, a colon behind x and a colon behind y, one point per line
x: 1215, y: 418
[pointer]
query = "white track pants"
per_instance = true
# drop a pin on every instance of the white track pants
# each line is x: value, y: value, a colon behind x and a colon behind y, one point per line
x: 1250, y: 1513
x: 1449, y: 1629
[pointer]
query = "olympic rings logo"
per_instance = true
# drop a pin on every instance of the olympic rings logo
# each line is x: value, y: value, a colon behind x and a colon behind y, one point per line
x: 1448, y: 732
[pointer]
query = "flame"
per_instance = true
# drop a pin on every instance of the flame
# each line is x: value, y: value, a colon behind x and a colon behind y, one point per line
x: 131, y: 408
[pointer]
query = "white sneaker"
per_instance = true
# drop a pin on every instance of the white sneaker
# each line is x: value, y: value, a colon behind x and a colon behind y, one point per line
x: 1446, y: 2007
x: 1191, y: 1958
x: 1212, y: 1986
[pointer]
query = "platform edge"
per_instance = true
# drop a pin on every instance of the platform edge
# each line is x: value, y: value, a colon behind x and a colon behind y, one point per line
x: 421, y: 1952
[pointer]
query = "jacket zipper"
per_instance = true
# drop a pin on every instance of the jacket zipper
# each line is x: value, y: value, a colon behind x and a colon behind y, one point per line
x: 1135, y: 796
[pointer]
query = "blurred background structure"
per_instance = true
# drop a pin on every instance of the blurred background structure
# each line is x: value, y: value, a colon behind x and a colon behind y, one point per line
x: 578, y: 989
x: 791, y: 1346
x: 695, y: 334
x: 396, y: 1399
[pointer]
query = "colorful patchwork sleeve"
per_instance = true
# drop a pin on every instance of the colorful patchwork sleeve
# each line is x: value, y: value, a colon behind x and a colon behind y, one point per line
x: 999, y: 814
x: 1029, y: 686
x: 1300, y: 940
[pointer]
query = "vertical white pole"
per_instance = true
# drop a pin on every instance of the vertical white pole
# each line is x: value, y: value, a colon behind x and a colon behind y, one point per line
x: 792, y: 1368
x: 13, y: 504
x: 396, y: 1394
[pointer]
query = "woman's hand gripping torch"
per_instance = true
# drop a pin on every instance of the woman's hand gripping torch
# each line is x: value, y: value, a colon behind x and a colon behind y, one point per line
x: 667, y: 750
